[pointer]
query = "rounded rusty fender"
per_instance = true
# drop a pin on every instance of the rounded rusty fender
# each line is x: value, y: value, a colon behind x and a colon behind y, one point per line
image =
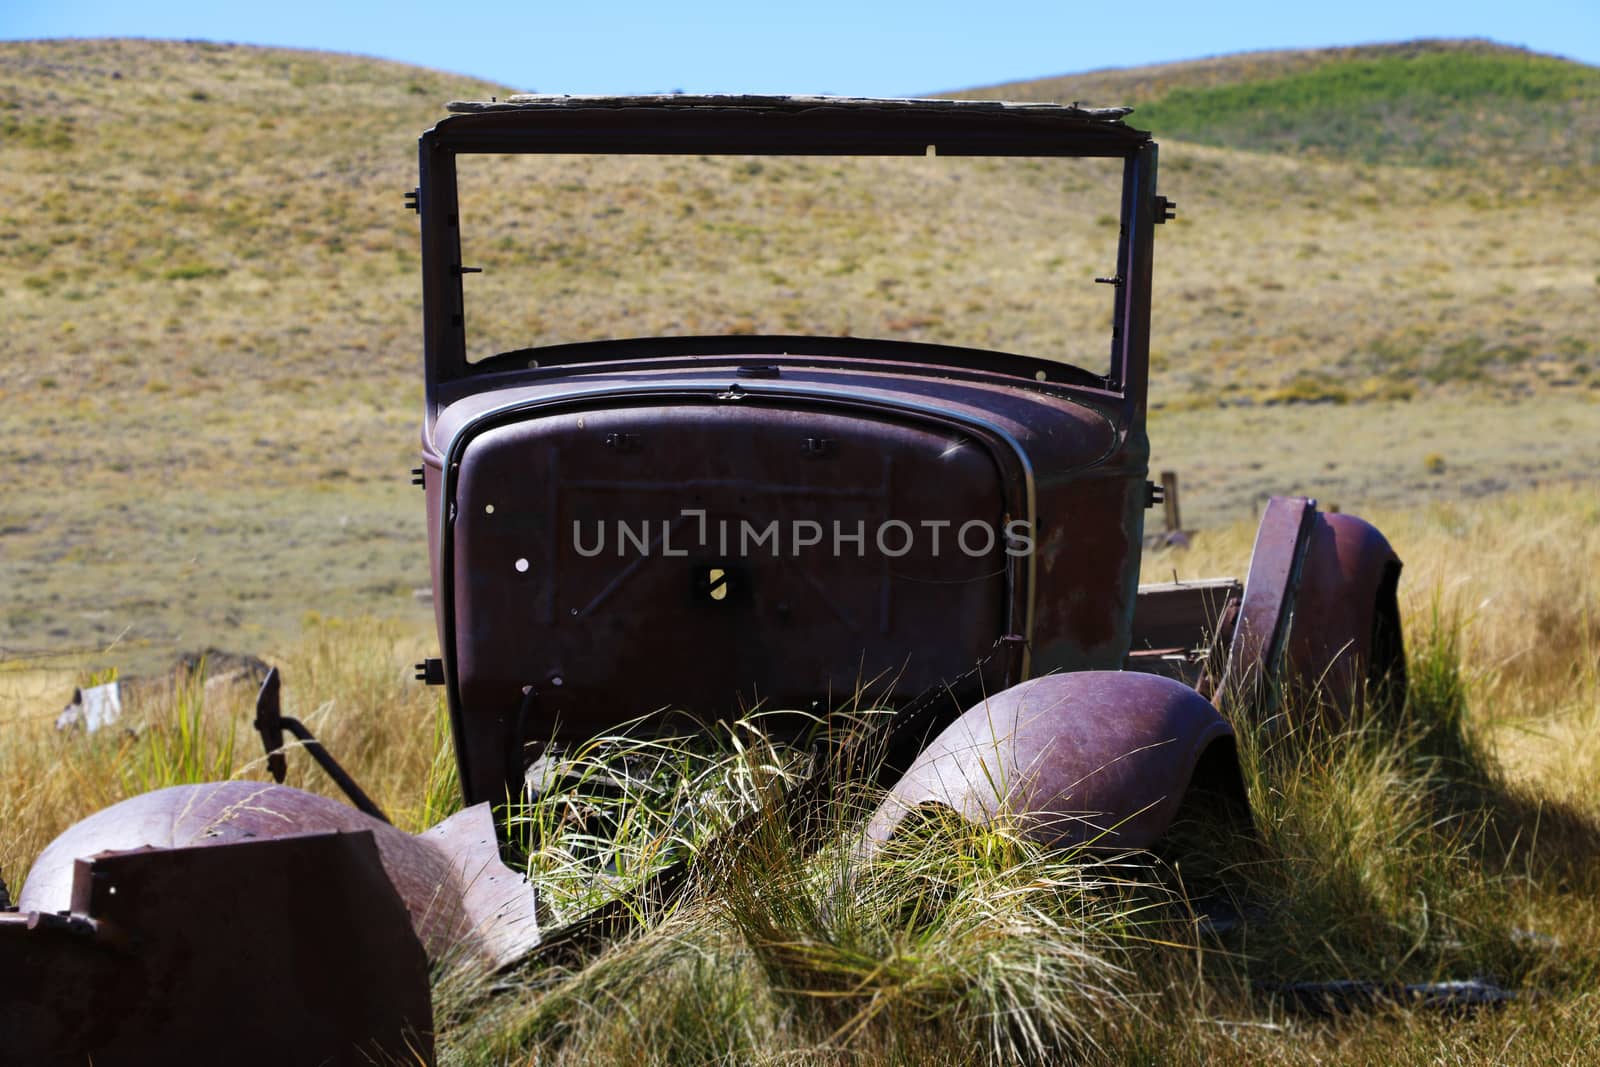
x: 1096, y: 758
x: 460, y: 897
x: 220, y: 955
x: 1346, y: 602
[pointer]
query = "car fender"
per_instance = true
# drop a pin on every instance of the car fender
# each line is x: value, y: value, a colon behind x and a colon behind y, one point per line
x: 263, y: 951
x: 458, y: 893
x: 1096, y: 758
x: 1345, y: 639
x: 1318, y: 618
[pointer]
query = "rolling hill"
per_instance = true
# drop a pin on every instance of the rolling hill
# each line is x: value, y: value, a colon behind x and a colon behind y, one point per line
x: 209, y: 285
x: 1465, y: 102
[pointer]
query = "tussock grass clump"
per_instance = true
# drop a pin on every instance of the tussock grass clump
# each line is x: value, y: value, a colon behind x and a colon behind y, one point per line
x: 952, y: 936
x: 609, y: 813
x: 954, y: 944
x: 1372, y: 839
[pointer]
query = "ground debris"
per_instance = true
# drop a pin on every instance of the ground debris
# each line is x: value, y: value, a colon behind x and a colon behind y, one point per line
x: 94, y: 707
x: 1349, y: 995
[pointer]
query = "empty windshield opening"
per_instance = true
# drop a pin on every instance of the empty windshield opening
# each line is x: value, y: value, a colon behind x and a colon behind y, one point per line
x: 992, y: 253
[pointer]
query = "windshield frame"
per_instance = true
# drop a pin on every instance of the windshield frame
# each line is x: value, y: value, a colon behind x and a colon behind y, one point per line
x: 782, y: 126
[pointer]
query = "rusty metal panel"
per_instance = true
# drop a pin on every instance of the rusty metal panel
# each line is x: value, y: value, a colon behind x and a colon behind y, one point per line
x: 1065, y: 426
x: 1054, y: 459
x: 459, y: 896
x: 1249, y: 685
x: 294, y: 950
x: 712, y: 557
x: 1181, y: 615
x: 1086, y: 557
x: 1346, y: 598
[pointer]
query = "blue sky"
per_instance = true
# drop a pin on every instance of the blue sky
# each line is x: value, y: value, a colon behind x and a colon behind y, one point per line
x: 889, y: 48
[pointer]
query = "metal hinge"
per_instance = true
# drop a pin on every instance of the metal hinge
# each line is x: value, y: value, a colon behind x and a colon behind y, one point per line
x: 417, y: 477
x: 1154, y: 494
x: 431, y: 671
x: 622, y: 442
x: 1166, y: 210
x: 414, y: 200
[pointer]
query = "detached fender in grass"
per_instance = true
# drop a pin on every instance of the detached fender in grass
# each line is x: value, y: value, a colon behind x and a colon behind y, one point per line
x: 272, y: 951
x: 1097, y: 758
x: 253, y: 923
x: 460, y: 896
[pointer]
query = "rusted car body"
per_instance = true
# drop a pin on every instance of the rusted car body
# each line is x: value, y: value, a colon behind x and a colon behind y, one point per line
x: 756, y: 479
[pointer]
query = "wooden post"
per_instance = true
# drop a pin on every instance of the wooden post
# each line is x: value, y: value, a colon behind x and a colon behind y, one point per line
x: 1169, y: 494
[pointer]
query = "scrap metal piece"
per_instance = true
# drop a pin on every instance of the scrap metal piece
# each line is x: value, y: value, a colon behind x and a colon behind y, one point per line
x: 92, y: 707
x: 499, y: 911
x: 288, y: 951
x: 1180, y: 629
x: 460, y: 897
x: 271, y: 723
x: 1249, y: 685
x: 1097, y: 758
x: 1350, y: 995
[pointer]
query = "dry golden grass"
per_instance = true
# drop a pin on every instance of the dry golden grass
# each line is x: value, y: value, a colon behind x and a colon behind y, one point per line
x: 1413, y: 849
x: 1520, y: 572
x: 350, y: 682
x: 212, y: 368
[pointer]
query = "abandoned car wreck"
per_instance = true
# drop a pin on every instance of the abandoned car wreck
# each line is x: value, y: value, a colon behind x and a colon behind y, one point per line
x: 708, y: 524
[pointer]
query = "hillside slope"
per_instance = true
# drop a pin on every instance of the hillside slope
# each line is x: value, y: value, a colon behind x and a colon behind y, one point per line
x: 1141, y: 85
x: 1433, y: 102
x: 209, y: 282
x: 175, y: 213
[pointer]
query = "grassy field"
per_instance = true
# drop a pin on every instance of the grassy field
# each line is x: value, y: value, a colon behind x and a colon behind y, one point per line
x: 1379, y: 290
x: 211, y: 385
x: 1456, y: 838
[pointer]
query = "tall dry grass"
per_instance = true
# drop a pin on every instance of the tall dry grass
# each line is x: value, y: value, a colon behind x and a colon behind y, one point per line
x: 348, y: 681
x: 1517, y: 580
x: 1449, y: 839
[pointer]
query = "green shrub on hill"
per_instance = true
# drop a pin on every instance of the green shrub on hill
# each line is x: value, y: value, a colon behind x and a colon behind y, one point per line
x: 1436, y: 108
